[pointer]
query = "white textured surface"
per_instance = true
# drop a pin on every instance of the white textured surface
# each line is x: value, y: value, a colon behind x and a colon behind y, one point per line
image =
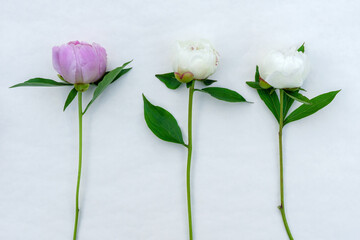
x: 133, y: 184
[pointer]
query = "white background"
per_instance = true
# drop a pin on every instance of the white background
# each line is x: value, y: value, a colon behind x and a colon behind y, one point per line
x: 133, y: 184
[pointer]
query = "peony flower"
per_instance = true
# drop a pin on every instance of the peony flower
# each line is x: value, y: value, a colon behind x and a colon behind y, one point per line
x: 194, y: 60
x: 79, y: 62
x: 285, y: 69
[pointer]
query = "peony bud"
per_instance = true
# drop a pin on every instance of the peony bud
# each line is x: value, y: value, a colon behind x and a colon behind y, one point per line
x: 80, y: 62
x: 194, y: 60
x: 285, y: 69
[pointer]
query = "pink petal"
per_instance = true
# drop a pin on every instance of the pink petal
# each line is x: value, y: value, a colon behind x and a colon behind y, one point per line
x: 55, y: 59
x: 67, y: 63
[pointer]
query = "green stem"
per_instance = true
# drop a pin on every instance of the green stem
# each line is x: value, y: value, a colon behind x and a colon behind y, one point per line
x: 282, y: 205
x: 191, y: 94
x: 80, y: 163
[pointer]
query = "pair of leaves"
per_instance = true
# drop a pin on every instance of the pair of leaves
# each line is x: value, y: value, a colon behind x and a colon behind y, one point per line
x: 163, y: 124
x: 315, y: 105
x: 109, y: 78
x: 309, y: 107
x: 223, y: 94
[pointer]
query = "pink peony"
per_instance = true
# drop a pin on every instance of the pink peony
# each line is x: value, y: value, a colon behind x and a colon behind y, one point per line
x: 79, y: 62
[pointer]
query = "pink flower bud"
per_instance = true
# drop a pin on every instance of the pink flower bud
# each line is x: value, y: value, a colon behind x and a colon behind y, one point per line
x: 79, y: 62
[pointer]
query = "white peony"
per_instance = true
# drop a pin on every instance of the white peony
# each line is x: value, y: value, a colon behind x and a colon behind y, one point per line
x: 285, y: 69
x: 194, y: 60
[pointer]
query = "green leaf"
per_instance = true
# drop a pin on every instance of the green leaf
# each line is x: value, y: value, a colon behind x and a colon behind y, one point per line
x: 162, y: 123
x: 61, y: 78
x: 224, y: 94
x: 188, y: 84
x: 317, y: 103
x: 298, y: 97
x: 269, y: 97
x: 257, y: 74
x: 121, y: 73
x: 40, y: 82
x: 70, y: 98
x: 302, y: 48
x: 208, y: 82
x: 271, y: 100
x: 288, y: 102
x: 255, y: 85
x: 108, y: 78
x: 169, y: 80
x: 294, y: 89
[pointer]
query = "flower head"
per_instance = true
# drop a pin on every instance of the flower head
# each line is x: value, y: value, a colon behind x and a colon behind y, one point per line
x: 285, y: 69
x: 79, y: 62
x: 194, y: 60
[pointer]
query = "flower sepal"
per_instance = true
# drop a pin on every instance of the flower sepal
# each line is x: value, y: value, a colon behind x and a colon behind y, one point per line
x: 294, y: 89
x: 61, y: 78
x: 81, y: 87
x: 185, y: 77
x: 206, y: 82
x: 263, y: 84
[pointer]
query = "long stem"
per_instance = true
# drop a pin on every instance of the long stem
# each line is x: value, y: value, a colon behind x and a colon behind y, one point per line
x: 191, y: 94
x: 282, y: 205
x: 80, y: 163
